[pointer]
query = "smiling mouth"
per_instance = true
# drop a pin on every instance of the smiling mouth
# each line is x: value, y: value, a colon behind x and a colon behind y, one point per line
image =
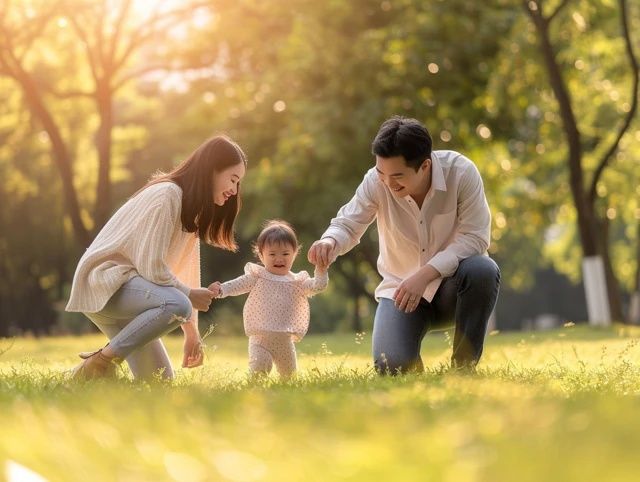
x: 396, y: 190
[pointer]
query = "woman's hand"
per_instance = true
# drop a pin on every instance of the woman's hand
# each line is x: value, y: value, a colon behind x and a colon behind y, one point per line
x: 193, y: 350
x: 200, y: 298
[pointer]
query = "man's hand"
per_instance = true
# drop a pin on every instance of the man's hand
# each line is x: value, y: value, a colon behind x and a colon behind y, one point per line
x: 408, y: 295
x: 200, y: 298
x: 322, y: 253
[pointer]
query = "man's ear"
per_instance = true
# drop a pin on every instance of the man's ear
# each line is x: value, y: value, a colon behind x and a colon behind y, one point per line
x: 426, y: 164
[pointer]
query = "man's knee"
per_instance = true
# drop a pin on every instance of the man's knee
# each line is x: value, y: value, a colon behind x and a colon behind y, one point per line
x: 482, y: 270
x: 396, y: 365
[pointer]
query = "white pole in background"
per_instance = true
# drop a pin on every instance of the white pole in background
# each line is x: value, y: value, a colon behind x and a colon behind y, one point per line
x: 595, y: 287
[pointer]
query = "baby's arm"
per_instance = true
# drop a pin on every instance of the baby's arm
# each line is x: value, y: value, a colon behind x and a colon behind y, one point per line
x: 318, y: 283
x: 238, y: 286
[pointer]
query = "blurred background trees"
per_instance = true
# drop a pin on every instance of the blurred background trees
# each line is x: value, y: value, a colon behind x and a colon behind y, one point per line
x: 96, y: 95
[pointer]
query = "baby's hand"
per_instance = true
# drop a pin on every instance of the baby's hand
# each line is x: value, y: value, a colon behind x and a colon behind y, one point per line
x: 322, y: 268
x: 215, y: 288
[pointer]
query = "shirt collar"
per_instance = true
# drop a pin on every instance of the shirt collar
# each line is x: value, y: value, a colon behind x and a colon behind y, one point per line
x: 262, y: 272
x: 437, y: 175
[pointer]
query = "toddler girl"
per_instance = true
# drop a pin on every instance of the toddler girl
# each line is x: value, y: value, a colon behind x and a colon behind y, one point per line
x: 276, y: 313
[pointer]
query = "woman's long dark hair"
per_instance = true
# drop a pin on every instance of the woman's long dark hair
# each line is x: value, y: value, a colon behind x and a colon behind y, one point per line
x: 195, y: 175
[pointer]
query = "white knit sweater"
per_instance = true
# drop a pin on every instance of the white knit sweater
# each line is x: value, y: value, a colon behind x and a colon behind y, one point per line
x: 144, y: 237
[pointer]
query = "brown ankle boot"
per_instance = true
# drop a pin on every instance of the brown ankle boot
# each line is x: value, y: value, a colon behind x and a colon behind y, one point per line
x: 95, y: 365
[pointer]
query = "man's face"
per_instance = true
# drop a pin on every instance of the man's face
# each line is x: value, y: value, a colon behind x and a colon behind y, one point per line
x: 401, y: 179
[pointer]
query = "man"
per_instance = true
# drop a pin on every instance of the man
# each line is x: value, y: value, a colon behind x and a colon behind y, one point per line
x: 433, y: 225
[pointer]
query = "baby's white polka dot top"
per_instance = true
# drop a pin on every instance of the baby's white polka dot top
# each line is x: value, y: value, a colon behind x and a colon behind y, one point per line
x: 276, y: 302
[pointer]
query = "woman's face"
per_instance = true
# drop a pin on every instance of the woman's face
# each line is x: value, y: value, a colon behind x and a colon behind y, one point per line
x: 225, y: 183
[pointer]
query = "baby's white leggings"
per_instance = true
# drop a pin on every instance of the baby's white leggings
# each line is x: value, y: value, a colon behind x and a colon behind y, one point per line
x: 270, y: 347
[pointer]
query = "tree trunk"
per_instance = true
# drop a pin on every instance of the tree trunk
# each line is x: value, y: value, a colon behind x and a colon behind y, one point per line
x: 103, y: 146
x: 356, y: 287
x: 60, y: 155
x: 4, y: 302
x: 634, y: 308
x: 613, y: 287
x: 586, y: 216
x: 356, y: 319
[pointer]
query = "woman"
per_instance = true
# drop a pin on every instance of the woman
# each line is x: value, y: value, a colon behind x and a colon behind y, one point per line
x: 140, y: 278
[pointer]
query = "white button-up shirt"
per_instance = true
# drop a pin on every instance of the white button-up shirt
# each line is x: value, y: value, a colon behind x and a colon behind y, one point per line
x: 453, y: 223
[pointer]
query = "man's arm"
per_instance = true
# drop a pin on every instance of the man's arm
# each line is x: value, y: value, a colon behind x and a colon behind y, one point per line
x: 409, y: 293
x: 474, y: 225
x: 346, y: 229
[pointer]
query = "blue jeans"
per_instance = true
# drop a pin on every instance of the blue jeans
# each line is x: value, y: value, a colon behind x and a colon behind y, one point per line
x: 464, y: 301
x: 135, y: 318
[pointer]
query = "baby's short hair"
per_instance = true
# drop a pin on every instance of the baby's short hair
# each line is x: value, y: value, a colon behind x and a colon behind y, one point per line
x: 275, y: 231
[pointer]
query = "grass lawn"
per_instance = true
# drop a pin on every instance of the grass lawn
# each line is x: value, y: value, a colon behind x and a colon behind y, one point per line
x: 562, y: 405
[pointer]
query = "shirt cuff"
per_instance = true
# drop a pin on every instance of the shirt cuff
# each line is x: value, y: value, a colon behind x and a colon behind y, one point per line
x: 221, y: 292
x: 322, y: 276
x: 338, y: 236
x: 445, y: 263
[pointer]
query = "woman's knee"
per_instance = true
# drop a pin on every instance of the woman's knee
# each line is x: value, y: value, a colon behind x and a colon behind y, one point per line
x: 179, y: 305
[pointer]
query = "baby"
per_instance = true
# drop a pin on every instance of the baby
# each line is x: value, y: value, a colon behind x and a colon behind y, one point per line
x: 276, y: 313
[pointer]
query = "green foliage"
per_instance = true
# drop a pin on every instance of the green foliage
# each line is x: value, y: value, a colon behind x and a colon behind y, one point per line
x: 30, y: 269
x: 587, y: 40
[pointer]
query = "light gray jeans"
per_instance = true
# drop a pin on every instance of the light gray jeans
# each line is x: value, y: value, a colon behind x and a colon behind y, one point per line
x: 135, y: 318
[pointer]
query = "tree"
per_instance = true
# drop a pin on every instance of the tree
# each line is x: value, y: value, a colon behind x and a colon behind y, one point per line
x: 592, y: 226
x: 334, y: 71
x: 32, y: 235
x: 112, y: 36
x: 68, y: 71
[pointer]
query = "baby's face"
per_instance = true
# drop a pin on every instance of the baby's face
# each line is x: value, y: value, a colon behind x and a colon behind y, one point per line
x: 278, y: 258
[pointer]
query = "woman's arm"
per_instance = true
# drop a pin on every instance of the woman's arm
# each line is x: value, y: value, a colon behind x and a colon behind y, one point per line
x: 148, y: 248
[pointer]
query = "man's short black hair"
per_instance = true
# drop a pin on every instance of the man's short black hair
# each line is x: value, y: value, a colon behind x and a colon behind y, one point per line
x: 402, y: 136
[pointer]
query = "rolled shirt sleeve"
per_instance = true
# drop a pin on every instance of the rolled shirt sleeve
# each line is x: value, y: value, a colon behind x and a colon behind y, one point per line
x: 355, y: 217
